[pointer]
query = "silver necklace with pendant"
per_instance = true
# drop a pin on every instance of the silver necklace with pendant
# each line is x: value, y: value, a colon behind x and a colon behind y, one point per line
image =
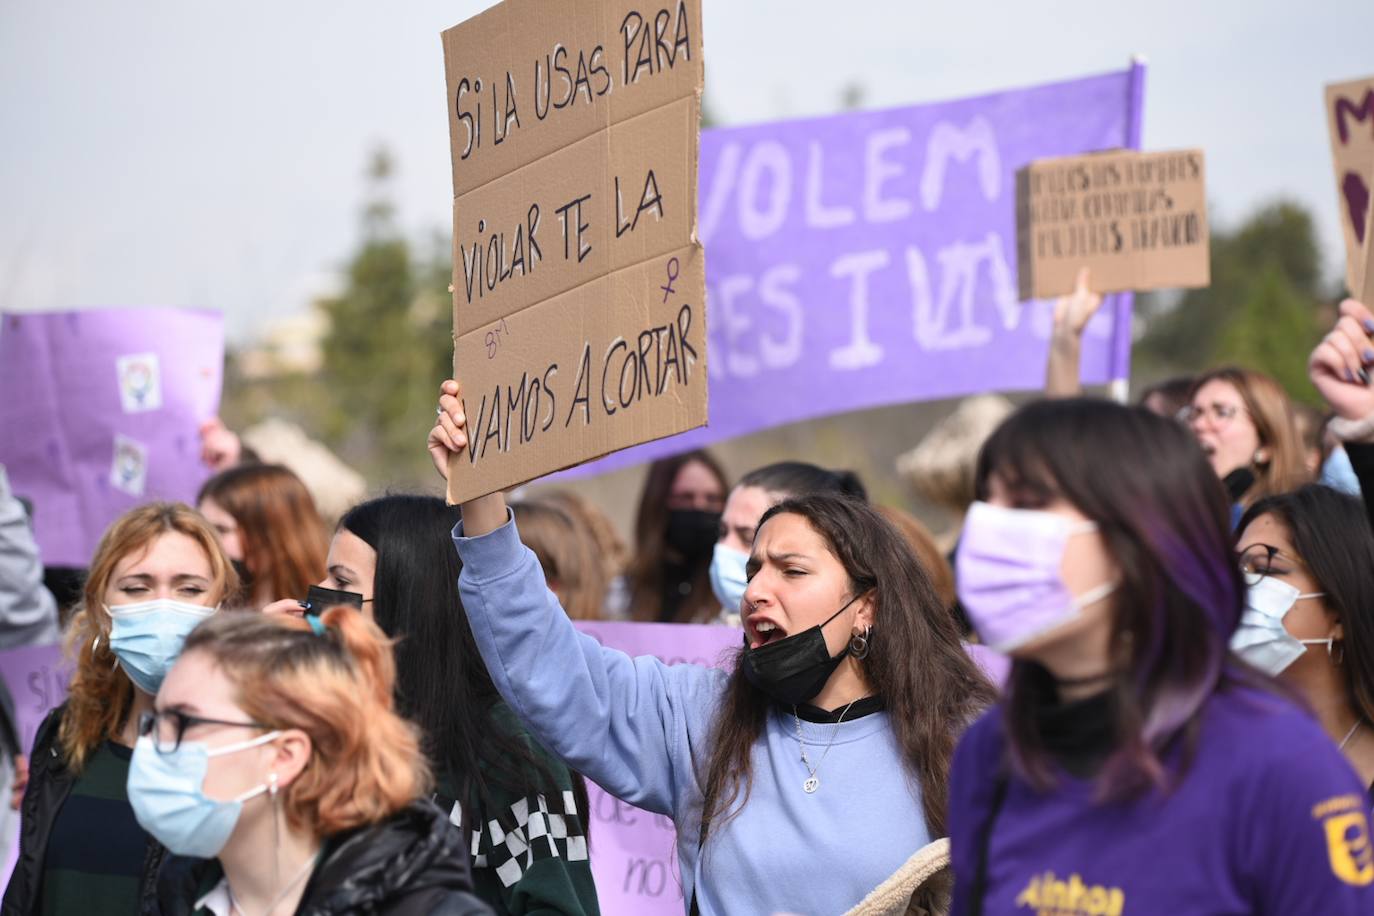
x: 813, y: 782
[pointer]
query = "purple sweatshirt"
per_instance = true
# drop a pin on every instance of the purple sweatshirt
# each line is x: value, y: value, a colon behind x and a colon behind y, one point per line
x: 1269, y: 819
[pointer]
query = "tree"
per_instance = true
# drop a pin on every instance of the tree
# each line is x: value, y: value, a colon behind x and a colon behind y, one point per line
x: 389, y: 343
x: 1263, y: 309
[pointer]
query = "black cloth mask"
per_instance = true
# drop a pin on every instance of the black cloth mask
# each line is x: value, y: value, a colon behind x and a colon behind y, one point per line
x: 1238, y: 482
x: 795, y: 668
x: 318, y: 599
x: 693, y: 533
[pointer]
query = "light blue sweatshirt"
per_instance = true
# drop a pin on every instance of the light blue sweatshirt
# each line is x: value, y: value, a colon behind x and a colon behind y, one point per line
x: 641, y: 730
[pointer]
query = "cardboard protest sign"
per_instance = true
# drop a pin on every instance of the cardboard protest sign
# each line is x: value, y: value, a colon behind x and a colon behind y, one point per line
x: 578, y: 281
x: 1350, y: 121
x: 1365, y: 292
x: 101, y: 411
x: 1137, y: 220
x: 868, y: 258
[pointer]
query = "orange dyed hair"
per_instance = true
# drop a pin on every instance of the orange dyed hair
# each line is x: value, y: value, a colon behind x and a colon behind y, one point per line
x: 101, y: 694
x: 567, y: 554
x: 366, y: 763
x: 284, y: 540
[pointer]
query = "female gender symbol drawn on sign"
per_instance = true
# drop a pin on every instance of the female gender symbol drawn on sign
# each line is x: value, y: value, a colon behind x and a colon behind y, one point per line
x: 672, y: 276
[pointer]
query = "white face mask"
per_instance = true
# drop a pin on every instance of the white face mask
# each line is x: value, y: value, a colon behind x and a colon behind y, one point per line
x: 1261, y: 638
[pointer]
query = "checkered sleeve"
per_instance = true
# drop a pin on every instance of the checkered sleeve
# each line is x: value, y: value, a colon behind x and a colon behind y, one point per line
x: 536, y: 849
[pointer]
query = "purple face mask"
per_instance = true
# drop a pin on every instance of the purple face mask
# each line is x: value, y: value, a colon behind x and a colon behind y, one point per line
x: 1008, y: 572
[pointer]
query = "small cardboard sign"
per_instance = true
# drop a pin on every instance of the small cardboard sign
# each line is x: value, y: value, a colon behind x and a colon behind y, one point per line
x: 1137, y: 220
x: 1350, y: 121
x: 1365, y: 292
x: 578, y: 281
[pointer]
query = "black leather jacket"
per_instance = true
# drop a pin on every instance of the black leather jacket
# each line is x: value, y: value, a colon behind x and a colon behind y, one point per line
x: 413, y: 864
x: 50, y: 782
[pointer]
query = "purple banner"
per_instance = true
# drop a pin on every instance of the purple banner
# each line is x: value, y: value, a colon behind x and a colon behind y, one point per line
x: 101, y: 412
x: 869, y: 258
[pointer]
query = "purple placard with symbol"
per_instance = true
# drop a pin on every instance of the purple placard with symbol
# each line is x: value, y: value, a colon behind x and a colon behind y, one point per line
x: 101, y: 412
x: 869, y: 258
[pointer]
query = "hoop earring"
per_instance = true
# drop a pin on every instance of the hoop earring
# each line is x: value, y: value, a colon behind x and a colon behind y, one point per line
x: 1338, y: 661
x: 858, y: 644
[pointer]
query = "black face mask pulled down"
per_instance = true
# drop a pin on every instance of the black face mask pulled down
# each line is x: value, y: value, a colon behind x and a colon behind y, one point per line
x: 693, y: 533
x: 795, y: 668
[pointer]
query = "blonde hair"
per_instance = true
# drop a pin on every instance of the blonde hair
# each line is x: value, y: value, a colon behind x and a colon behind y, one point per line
x: 611, y: 551
x: 568, y: 555
x: 100, y: 695
x: 1272, y: 413
x: 366, y: 762
x: 942, y: 467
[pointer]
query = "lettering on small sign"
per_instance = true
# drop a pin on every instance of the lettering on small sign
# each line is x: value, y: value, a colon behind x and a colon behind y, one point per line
x: 1137, y: 220
x: 1350, y: 122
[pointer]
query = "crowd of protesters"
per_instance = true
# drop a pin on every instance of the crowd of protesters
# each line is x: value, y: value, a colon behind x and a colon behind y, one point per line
x: 1137, y: 678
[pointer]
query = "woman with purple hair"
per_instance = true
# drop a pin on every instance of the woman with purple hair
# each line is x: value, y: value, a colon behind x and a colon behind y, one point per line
x: 1132, y: 765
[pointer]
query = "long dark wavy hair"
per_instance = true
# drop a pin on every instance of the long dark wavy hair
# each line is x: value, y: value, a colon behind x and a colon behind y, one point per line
x: 645, y: 573
x: 1331, y: 534
x: 1166, y: 521
x: 441, y: 681
x: 930, y: 686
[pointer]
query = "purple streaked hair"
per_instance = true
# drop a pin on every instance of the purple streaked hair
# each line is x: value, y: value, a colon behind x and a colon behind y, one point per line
x: 1165, y: 518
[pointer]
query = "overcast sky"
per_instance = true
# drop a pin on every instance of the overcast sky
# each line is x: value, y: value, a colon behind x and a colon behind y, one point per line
x: 211, y: 154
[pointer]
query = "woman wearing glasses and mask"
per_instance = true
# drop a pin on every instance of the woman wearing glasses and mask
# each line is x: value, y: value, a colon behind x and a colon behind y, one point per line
x: 1244, y: 423
x: 276, y: 770
x: 1307, y: 557
x: 1132, y: 765
x: 157, y: 573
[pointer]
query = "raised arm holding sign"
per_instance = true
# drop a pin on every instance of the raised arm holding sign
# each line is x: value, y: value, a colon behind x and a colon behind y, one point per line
x: 817, y: 829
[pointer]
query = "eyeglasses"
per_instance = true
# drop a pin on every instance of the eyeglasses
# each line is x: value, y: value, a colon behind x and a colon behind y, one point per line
x: 168, y: 727
x: 1220, y: 414
x: 1257, y: 562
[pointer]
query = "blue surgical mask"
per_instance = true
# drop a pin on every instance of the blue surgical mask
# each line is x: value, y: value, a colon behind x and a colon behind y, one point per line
x: 147, y: 637
x: 728, y: 579
x: 167, y: 792
x: 1262, y: 639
